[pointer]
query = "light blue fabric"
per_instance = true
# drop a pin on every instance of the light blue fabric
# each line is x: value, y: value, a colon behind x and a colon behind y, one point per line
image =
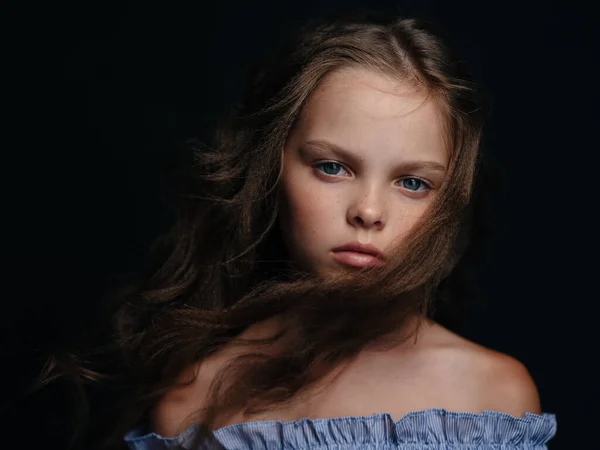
x: 434, y: 428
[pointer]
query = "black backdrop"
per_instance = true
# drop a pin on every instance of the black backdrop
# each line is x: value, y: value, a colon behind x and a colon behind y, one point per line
x: 100, y: 94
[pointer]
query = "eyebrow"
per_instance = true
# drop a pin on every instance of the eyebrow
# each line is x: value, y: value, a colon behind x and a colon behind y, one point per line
x: 348, y: 155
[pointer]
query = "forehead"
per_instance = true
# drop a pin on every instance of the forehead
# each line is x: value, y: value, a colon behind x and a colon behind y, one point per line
x: 360, y: 109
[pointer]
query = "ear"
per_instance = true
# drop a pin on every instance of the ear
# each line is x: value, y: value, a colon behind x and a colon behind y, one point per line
x: 282, y: 153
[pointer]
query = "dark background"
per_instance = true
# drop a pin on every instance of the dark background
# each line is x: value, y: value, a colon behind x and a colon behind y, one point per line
x: 99, y: 94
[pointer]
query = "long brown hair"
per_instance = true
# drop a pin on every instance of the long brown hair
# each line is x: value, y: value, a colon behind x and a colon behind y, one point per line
x: 220, y: 268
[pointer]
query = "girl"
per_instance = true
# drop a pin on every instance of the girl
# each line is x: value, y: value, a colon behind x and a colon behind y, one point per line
x: 291, y: 304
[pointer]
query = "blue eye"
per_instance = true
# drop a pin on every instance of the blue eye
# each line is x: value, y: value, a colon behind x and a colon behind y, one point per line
x: 413, y: 184
x: 330, y: 168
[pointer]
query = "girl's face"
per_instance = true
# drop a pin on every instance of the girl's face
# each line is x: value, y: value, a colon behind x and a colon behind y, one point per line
x: 362, y: 165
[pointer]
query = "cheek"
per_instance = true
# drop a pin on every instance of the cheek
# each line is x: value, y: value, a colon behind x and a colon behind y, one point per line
x: 309, y: 209
x: 407, y: 217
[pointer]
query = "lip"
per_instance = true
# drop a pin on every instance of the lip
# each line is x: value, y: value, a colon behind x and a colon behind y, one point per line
x: 358, y: 255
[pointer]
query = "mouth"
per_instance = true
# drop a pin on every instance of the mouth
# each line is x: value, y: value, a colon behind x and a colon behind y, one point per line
x: 357, y: 254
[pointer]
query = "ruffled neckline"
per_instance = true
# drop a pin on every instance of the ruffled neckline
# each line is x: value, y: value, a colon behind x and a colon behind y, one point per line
x: 434, y: 427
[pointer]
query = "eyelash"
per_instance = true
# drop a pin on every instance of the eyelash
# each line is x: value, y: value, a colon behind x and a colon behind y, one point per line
x: 426, y: 184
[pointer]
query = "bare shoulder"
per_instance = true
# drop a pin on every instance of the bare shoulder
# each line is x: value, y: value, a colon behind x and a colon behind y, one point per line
x: 497, y: 381
x: 512, y: 389
x: 170, y: 416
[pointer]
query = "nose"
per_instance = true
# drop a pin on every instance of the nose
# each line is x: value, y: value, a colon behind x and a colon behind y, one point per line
x: 367, y: 212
